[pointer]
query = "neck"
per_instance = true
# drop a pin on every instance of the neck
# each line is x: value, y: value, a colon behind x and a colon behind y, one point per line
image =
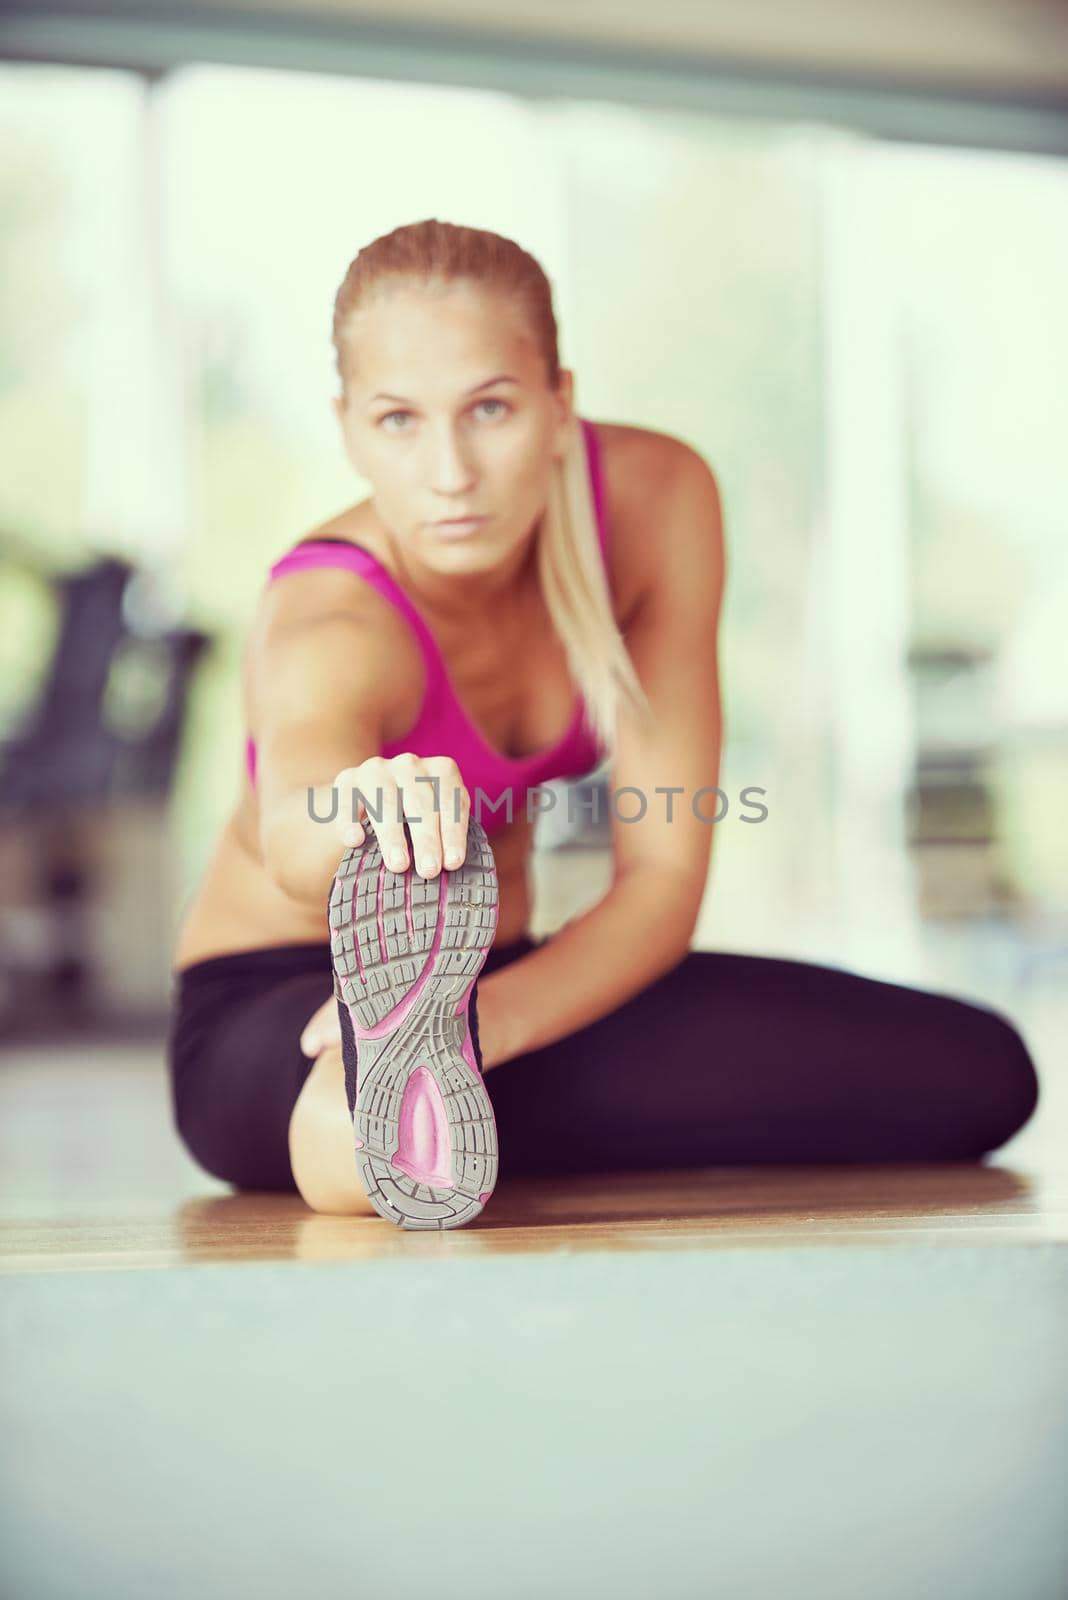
x: 470, y: 597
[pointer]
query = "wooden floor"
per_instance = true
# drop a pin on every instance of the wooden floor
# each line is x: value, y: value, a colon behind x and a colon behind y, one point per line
x: 788, y: 1382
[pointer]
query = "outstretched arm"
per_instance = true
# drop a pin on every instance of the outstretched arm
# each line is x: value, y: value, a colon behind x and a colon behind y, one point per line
x: 642, y: 926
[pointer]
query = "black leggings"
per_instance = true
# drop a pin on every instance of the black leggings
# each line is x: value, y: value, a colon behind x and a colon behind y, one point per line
x: 725, y: 1059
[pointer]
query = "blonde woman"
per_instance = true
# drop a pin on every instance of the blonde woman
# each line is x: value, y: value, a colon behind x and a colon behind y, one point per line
x: 360, y: 1014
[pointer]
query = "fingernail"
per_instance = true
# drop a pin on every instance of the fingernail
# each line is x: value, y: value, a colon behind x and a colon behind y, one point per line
x: 396, y: 860
x: 454, y: 859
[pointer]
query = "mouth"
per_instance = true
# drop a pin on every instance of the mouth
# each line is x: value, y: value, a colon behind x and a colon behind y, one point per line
x: 456, y: 527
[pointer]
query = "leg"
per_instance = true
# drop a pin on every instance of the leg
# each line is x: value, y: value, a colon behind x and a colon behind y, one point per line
x: 321, y: 1150
x: 745, y: 1059
x: 236, y: 1067
x: 248, y: 1106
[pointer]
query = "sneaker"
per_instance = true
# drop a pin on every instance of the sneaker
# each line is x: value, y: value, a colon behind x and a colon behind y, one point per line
x: 407, y: 952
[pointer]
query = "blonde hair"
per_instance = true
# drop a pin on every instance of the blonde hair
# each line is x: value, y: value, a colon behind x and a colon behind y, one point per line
x: 570, y: 569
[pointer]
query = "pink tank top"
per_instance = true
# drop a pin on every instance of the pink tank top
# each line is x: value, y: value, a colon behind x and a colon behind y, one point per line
x: 443, y: 727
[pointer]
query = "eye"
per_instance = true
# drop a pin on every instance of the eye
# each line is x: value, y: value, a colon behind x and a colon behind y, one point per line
x: 493, y: 402
x: 389, y: 415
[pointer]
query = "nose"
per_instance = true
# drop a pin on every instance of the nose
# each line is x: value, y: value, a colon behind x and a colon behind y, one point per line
x: 451, y: 468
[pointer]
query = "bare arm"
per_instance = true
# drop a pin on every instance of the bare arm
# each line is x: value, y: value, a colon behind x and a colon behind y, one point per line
x: 320, y: 686
x: 643, y: 925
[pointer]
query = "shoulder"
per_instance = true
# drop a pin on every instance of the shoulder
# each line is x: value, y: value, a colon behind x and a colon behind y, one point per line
x: 662, y: 506
x: 324, y: 644
x: 332, y: 590
x: 331, y: 607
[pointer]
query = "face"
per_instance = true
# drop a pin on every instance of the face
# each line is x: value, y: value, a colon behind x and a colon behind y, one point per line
x: 448, y: 414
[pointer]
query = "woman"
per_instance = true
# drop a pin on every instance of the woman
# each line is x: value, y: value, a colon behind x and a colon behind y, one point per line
x: 461, y: 632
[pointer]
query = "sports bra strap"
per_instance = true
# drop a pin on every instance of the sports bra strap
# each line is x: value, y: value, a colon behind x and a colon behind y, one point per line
x: 356, y: 558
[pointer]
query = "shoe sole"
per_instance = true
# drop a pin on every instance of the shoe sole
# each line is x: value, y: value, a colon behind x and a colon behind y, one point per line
x: 406, y: 953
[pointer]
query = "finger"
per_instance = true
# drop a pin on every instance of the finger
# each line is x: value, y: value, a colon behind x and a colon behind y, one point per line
x: 318, y: 1035
x: 455, y: 809
x: 383, y: 796
x: 320, y: 1029
x: 349, y: 806
x: 421, y: 797
x: 454, y: 833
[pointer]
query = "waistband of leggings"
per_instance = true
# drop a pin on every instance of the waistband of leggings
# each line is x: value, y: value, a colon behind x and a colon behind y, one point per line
x: 268, y: 958
x: 306, y: 957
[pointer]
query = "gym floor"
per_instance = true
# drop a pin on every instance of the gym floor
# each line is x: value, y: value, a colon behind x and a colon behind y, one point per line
x: 793, y: 1382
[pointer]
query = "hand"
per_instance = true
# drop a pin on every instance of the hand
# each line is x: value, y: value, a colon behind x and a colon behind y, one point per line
x: 434, y: 803
x: 323, y: 1028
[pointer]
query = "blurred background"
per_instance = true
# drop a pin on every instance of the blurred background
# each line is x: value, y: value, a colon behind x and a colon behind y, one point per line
x: 826, y: 245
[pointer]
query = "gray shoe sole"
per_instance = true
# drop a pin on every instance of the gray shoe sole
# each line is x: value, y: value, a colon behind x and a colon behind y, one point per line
x: 406, y: 953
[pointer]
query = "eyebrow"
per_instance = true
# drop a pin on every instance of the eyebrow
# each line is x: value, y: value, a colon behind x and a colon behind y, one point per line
x: 502, y: 377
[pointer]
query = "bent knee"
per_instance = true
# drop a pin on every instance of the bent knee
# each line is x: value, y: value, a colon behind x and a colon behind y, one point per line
x: 244, y: 1150
x: 221, y: 1154
x: 1016, y: 1082
x: 1003, y: 1085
